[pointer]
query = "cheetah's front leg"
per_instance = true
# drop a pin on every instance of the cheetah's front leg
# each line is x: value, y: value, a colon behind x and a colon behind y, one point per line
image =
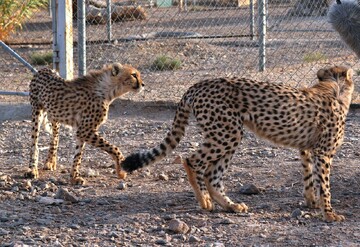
x: 75, y: 177
x: 96, y: 140
x: 322, y: 182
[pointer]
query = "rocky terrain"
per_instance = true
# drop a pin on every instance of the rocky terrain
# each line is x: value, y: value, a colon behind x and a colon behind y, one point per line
x: 156, y: 206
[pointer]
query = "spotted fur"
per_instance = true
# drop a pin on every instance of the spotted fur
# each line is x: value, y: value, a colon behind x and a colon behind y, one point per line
x: 83, y: 104
x: 311, y: 120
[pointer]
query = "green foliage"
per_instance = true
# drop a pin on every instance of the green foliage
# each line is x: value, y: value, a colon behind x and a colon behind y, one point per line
x: 14, y: 12
x: 166, y: 63
x: 314, y: 57
x: 41, y: 58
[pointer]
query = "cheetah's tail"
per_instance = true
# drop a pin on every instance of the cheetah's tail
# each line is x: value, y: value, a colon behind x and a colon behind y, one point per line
x: 141, y: 159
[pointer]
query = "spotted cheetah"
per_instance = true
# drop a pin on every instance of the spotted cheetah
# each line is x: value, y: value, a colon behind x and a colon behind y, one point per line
x: 83, y: 104
x: 309, y: 119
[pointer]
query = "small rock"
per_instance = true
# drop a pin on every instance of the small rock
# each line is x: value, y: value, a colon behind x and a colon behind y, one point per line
x: 92, y: 173
x: 122, y: 186
x: 5, y: 178
x: 4, y: 219
x: 44, y: 222
x: 180, y: 237
x: 194, y: 239
x: 296, y: 213
x: 64, y: 194
x: 3, y: 232
x: 324, y: 228
x: 169, y: 217
x: 74, y: 226
x: 217, y: 244
x: 161, y: 242
x: 103, y: 201
x: 262, y: 235
x: 163, y: 177
x: 146, y: 173
x: 57, y: 210
x: 178, y: 160
x: 113, y: 235
x: 45, y: 186
x: 33, y: 191
x: 27, y: 185
x: 178, y: 226
x: 249, y: 189
x: 227, y: 221
x: 57, y: 244
x: 15, y: 189
x: 50, y: 201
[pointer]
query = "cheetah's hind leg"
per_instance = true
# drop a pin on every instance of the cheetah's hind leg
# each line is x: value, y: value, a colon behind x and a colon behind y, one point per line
x: 36, y: 114
x: 197, y: 183
x: 50, y: 163
x: 309, y: 190
x: 214, y: 184
x: 75, y: 177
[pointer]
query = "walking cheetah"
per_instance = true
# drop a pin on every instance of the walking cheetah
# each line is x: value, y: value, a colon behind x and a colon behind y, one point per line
x: 82, y: 103
x: 309, y: 119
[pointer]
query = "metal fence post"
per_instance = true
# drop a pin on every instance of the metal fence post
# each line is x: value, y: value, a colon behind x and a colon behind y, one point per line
x: 63, y: 38
x: 108, y: 21
x: 54, y: 33
x: 81, y: 37
x: 252, y: 20
x: 262, y: 34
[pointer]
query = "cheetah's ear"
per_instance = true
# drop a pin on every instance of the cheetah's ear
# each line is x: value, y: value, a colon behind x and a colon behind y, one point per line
x: 321, y: 74
x: 116, y: 68
x: 349, y: 74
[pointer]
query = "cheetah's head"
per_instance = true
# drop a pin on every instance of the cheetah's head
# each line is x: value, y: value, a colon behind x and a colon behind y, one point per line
x: 335, y: 73
x: 339, y: 74
x: 125, y: 76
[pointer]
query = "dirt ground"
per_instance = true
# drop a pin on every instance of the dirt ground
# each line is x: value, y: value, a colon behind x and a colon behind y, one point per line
x: 141, y: 211
x: 145, y: 209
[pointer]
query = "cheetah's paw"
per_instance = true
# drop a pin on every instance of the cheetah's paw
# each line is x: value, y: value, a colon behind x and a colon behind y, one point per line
x: 33, y: 173
x: 206, y: 203
x: 50, y: 165
x: 311, y: 204
x: 239, y: 208
x: 331, y: 217
x: 121, y: 174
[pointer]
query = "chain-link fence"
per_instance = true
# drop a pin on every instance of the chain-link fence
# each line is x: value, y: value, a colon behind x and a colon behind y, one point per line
x: 175, y: 43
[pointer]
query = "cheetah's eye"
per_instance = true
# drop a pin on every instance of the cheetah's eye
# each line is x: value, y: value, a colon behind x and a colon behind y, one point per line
x: 134, y: 75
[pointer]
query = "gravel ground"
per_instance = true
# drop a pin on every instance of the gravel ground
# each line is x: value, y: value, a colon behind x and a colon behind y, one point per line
x: 156, y: 206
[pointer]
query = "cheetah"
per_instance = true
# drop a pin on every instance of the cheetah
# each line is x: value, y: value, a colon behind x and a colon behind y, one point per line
x: 309, y: 119
x: 81, y: 103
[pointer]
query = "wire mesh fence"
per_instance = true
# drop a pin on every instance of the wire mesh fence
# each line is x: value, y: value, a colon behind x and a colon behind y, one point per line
x: 175, y: 43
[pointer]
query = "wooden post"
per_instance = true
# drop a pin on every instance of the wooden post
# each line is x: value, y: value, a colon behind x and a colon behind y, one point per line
x: 63, y: 38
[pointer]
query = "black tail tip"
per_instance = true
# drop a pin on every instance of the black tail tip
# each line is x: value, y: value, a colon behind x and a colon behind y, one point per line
x: 132, y: 162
